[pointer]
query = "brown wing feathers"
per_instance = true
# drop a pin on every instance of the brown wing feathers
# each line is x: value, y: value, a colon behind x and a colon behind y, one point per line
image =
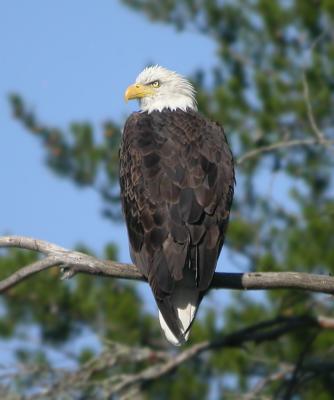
x: 177, y: 179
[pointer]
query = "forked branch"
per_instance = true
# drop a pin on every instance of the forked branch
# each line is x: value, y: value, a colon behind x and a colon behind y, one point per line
x: 73, y: 262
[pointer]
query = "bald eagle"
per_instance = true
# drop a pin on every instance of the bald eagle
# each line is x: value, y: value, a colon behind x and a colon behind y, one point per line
x: 177, y: 183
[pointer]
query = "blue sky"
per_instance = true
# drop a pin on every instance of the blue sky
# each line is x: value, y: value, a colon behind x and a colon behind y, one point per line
x: 71, y: 61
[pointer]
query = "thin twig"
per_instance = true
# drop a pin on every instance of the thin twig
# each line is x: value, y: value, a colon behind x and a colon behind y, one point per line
x: 320, y: 137
x: 281, y: 145
x: 275, y: 376
x: 291, y: 384
x: 27, y: 271
x: 318, y: 133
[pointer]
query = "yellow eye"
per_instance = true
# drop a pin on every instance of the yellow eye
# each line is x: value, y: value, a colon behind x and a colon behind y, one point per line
x: 155, y: 84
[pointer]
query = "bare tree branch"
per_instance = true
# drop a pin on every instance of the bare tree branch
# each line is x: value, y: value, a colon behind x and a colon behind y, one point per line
x: 161, y: 363
x: 284, y: 144
x: 74, y: 262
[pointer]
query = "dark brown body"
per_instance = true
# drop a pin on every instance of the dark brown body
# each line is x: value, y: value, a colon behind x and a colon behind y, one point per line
x: 177, y: 181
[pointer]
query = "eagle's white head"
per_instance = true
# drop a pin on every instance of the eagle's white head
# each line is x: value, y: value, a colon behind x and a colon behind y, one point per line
x: 157, y: 88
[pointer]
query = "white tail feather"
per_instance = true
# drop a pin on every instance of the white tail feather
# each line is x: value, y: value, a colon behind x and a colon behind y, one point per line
x: 185, y: 302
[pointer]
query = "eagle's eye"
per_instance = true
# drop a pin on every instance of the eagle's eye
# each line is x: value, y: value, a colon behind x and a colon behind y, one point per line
x: 155, y: 84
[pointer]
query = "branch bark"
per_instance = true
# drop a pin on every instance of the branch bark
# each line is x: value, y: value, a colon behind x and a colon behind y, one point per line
x: 73, y: 262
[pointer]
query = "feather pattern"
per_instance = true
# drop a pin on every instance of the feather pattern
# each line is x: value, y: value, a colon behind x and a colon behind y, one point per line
x: 177, y: 182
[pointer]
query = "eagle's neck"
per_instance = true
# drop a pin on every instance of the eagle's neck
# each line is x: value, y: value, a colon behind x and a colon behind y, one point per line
x: 171, y: 102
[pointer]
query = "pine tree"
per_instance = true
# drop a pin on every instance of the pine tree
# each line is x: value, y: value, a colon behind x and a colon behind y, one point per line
x: 273, y: 90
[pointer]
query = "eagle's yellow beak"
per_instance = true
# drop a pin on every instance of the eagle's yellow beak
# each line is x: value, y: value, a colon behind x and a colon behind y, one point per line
x: 137, y: 91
